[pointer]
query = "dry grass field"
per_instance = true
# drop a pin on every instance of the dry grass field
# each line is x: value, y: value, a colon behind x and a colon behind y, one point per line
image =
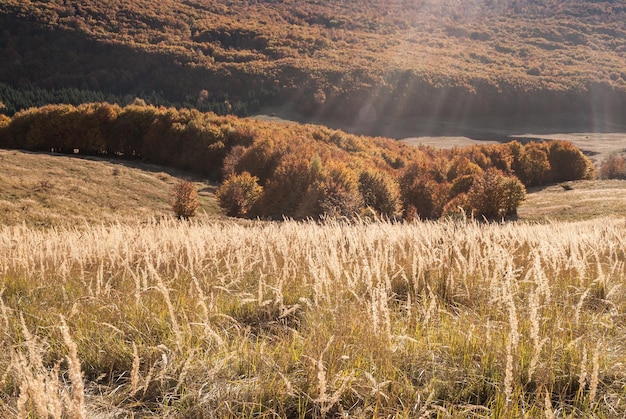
x: 60, y: 190
x: 574, y: 201
x: 218, y: 319
x: 111, y: 315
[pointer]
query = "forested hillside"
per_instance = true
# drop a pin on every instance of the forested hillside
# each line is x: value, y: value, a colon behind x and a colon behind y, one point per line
x: 351, y: 60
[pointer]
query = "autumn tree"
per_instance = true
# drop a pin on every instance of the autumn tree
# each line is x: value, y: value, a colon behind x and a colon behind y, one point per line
x: 287, y: 191
x: 4, y: 121
x: 184, y: 199
x: 238, y: 194
x: 340, y: 195
x: 494, y: 195
x: 568, y: 162
x: 420, y: 192
x: 380, y: 192
x: 613, y: 167
x: 533, y: 166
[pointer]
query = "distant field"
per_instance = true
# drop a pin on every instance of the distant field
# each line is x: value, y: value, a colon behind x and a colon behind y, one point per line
x: 572, y: 201
x: 597, y: 139
x: 596, y: 145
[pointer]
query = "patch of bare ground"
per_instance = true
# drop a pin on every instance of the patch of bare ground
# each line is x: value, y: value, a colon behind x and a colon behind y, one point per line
x: 580, y: 200
x: 46, y: 190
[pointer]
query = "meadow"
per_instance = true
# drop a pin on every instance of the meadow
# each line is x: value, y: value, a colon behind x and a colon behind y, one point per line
x: 373, y: 292
x: 306, y: 319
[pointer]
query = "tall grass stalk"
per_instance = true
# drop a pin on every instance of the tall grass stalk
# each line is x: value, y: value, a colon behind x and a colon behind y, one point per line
x: 304, y: 319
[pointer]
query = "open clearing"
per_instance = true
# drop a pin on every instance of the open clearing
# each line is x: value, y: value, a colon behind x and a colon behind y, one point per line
x: 596, y: 138
x: 579, y: 200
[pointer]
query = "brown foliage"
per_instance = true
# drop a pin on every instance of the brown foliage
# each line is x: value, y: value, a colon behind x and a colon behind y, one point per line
x: 613, y: 167
x: 568, y: 163
x: 534, y: 166
x: 184, y: 199
x: 302, y: 171
x: 494, y: 195
x: 238, y: 194
x: 380, y: 192
x: 331, y: 57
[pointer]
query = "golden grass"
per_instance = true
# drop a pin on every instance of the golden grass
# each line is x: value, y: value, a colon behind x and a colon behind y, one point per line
x: 220, y: 319
x: 60, y: 190
x: 571, y: 201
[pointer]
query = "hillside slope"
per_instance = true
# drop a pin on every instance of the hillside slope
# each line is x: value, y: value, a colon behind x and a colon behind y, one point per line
x: 47, y: 190
x: 357, y: 60
x: 58, y: 190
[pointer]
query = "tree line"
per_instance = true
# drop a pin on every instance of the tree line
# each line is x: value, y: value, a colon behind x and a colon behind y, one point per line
x: 275, y: 170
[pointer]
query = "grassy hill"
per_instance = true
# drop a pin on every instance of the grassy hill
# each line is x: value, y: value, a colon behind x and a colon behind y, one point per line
x: 61, y: 191
x: 119, y: 310
x: 110, y: 308
x: 357, y: 61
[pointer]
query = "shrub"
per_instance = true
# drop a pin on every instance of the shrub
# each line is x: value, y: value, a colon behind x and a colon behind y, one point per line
x: 534, y: 166
x: 340, y: 195
x: 285, y: 192
x: 380, y: 192
x: 184, y: 199
x: 568, y: 163
x: 494, y: 195
x: 238, y: 194
x: 513, y: 194
x: 4, y: 121
x: 613, y: 167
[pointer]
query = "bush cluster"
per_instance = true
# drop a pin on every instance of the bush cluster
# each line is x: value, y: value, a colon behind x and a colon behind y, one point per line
x: 300, y: 171
x: 322, y: 172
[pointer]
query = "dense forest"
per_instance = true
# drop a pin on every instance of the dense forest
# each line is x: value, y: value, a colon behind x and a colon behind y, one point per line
x: 349, y: 60
x: 274, y: 170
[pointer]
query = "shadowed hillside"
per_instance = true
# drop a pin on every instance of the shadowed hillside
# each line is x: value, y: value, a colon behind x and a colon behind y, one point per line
x: 356, y: 61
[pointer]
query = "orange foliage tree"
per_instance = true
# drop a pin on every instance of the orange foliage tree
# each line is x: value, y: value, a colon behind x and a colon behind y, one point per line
x: 494, y: 195
x: 238, y: 194
x: 184, y: 199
